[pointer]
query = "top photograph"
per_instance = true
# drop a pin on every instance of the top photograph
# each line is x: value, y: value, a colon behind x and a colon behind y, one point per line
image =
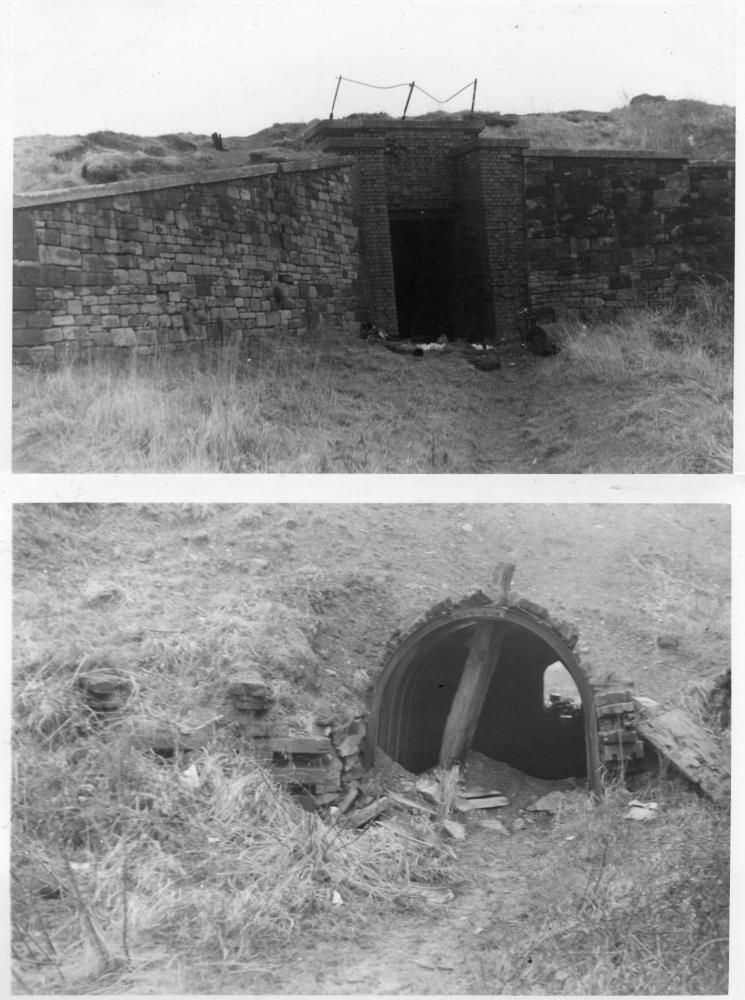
x: 231, y: 257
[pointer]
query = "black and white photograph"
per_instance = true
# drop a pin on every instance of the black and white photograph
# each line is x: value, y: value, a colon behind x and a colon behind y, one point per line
x: 402, y: 237
x: 371, y: 749
x: 371, y: 507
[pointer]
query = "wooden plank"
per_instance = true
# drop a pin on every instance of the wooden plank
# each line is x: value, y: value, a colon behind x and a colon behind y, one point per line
x: 305, y: 745
x: 486, y: 802
x: 619, y: 697
x: 304, y: 775
x: 478, y: 671
x: 359, y: 817
x: 401, y: 800
x: 690, y: 749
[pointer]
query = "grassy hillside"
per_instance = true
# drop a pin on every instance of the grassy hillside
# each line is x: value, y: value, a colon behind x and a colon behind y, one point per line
x: 134, y: 873
x: 46, y: 162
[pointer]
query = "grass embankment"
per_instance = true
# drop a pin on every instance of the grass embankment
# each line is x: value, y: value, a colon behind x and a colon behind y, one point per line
x: 688, y: 128
x: 628, y: 908
x: 48, y: 162
x: 126, y: 877
x: 649, y: 393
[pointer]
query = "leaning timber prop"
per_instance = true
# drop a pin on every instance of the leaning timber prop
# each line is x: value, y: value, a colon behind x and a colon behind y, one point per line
x: 620, y: 732
x: 469, y: 675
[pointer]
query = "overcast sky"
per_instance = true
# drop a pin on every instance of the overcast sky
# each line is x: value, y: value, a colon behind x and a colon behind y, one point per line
x: 234, y: 66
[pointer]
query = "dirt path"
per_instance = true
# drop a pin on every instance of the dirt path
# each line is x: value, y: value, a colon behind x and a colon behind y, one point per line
x: 436, y: 951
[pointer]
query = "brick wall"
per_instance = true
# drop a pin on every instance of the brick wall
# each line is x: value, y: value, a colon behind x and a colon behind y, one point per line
x: 130, y: 265
x: 504, y: 218
x: 609, y: 229
x: 419, y: 174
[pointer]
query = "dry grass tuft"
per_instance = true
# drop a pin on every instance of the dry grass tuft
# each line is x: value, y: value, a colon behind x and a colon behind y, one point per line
x: 663, y: 381
x: 641, y: 910
x: 215, y: 876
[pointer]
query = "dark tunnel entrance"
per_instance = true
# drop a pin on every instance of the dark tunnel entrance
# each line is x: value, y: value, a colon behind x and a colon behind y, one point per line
x: 524, y: 718
x: 422, y: 250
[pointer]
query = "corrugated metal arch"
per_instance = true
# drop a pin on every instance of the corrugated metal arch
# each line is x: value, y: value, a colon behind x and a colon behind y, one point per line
x: 392, y: 698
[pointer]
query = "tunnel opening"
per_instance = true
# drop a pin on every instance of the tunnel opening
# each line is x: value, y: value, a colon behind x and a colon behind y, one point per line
x: 530, y: 707
x: 422, y: 251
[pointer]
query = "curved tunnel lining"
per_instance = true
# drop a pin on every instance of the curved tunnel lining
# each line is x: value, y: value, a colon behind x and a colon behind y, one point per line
x: 393, y: 699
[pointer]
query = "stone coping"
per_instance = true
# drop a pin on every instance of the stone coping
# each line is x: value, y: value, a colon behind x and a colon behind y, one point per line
x: 355, y: 126
x: 352, y: 142
x: 489, y: 142
x: 37, y: 198
x: 604, y: 154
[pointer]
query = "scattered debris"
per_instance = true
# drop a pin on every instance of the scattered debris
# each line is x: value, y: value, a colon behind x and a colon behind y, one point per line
x: 668, y: 641
x: 97, y: 594
x: 365, y: 815
x: 347, y: 800
x: 455, y: 830
x: 410, y: 804
x: 478, y: 793
x: 495, y: 825
x: 105, y: 690
x: 641, y: 810
x: 429, y: 787
x: 551, y: 803
x: 190, y: 777
x: 497, y: 801
x: 432, y: 894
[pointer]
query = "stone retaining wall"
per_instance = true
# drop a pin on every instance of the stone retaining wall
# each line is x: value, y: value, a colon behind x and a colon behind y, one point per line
x: 135, y: 265
x: 143, y: 264
x: 609, y: 229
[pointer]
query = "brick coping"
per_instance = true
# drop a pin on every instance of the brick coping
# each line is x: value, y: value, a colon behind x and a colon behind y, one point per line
x: 159, y: 183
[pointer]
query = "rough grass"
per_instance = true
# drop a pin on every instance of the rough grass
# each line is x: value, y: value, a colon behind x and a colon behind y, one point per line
x: 688, y: 128
x: 630, y: 908
x: 331, y: 403
x: 691, y: 128
x: 45, y: 162
x: 663, y: 382
x: 163, y: 881
x: 279, y: 404
x: 164, y: 884
x: 130, y: 878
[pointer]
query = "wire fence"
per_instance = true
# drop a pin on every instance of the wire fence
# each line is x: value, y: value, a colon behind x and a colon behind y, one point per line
x: 412, y: 87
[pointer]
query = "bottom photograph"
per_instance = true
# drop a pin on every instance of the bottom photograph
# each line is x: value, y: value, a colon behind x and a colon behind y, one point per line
x: 371, y: 749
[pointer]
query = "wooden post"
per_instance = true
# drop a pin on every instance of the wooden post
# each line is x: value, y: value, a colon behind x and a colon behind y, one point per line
x: 478, y: 671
